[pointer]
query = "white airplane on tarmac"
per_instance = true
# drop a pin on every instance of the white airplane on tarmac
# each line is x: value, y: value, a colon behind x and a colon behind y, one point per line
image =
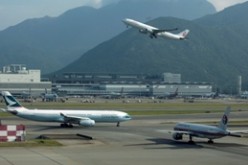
x: 154, y: 32
x: 205, y: 131
x: 65, y: 117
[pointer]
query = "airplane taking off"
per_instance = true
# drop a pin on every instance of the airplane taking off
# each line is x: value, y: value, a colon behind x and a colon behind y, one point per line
x: 205, y: 131
x: 65, y: 117
x: 154, y: 32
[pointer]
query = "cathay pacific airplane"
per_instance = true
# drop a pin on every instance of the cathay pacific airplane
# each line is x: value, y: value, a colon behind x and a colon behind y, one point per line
x: 205, y: 131
x: 66, y: 117
x: 154, y: 32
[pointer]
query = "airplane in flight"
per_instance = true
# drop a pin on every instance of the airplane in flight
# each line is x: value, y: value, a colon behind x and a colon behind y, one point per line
x: 205, y: 131
x: 155, y: 32
x: 67, y: 118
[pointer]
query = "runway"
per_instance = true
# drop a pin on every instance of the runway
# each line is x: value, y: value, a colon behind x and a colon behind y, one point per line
x: 139, y: 141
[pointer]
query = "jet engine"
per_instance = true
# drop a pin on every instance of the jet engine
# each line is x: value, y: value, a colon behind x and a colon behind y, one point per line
x: 177, y: 136
x: 87, y: 123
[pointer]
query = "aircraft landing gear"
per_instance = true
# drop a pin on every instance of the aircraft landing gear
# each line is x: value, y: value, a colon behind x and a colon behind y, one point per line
x: 191, y: 140
x: 153, y: 36
x: 210, y: 141
x: 62, y: 125
x: 66, y: 125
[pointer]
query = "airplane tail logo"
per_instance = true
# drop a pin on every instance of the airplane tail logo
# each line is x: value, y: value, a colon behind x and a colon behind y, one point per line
x: 10, y: 100
x: 176, y: 92
x: 224, y: 119
x: 184, y: 34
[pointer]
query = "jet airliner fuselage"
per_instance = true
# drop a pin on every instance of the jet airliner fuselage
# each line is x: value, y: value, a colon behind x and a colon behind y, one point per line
x: 154, y: 32
x: 205, y: 131
x: 66, y: 117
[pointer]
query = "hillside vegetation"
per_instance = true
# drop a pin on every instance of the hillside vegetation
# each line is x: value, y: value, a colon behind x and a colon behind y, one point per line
x: 216, y: 51
x: 50, y: 44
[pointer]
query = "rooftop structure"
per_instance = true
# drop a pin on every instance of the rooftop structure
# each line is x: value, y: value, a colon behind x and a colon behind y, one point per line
x: 125, y: 84
x: 19, y: 73
x: 17, y: 79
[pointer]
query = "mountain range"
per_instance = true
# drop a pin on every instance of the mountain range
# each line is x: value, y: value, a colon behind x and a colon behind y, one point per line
x: 95, y: 40
x: 52, y: 43
x: 215, y: 52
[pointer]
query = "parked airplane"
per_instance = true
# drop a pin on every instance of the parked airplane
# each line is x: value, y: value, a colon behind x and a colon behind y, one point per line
x: 114, y: 95
x: 49, y: 97
x: 205, y: 131
x: 154, y: 32
x: 65, y: 117
x: 169, y: 95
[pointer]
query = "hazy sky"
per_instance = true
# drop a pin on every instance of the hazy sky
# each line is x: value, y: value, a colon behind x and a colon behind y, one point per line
x: 13, y: 12
x: 221, y: 4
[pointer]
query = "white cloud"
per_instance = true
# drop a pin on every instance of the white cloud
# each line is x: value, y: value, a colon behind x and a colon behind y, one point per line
x: 95, y: 3
x: 221, y: 4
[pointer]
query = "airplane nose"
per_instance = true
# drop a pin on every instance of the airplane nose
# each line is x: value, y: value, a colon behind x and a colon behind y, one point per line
x: 124, y: 20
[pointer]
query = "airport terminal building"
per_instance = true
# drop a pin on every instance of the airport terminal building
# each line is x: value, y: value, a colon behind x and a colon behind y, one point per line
x: 126, y: 84
x: 18, y: 80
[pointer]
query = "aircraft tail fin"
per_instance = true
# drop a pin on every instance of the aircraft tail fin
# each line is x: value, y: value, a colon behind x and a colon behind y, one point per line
x: 184, y: 34
x: 225, y: 118
x: 10, y: 100
x: 176, y: 92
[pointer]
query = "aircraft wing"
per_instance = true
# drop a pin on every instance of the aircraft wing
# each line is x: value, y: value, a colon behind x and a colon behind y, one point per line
x: 182, y: 132
x: 173, y: 131
x: 238, y: 133
x: 73, y: 119
x: 156, y: 31
x: 4, y: 110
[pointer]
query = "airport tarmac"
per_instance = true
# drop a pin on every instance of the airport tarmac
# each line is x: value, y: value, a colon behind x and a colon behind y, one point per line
x: 141, y: 141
